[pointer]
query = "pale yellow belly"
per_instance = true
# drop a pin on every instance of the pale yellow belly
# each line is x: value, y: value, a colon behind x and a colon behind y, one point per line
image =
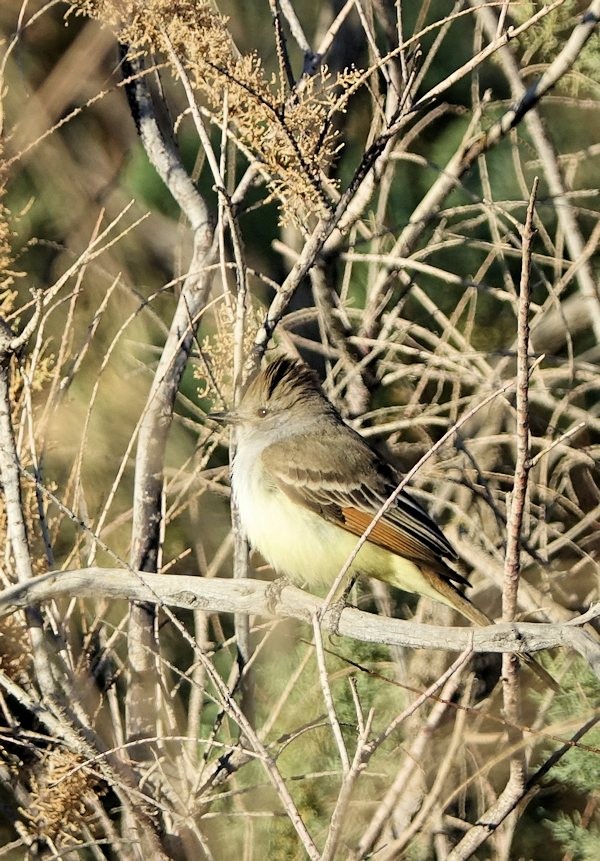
x: 310, y: 551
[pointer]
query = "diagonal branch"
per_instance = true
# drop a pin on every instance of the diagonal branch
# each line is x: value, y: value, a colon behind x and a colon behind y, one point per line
x: 470, y: 150
x: 543, y: 142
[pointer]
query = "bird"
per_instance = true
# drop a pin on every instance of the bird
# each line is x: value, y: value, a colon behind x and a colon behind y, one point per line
x: 307, y: 486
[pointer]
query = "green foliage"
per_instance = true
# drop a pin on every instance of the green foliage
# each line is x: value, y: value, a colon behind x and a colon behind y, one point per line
x: 579, y: 769
x: 543, y: 43
x: 582, y: 842
x: 580, y: 698
x: 440, y: 337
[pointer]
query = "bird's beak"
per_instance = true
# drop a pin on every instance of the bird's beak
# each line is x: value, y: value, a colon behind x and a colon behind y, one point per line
x: 228, y: 417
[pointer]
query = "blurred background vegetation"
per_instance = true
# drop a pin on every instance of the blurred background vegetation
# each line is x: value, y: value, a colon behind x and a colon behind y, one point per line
x: 73, y: 166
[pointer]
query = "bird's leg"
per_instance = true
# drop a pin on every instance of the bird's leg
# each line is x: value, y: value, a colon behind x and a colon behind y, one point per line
x: 273, y: 593
x: 336, y: 607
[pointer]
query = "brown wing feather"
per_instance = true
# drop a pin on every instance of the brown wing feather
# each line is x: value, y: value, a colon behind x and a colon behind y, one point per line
x: 405, y: 528
x: 386, y: 535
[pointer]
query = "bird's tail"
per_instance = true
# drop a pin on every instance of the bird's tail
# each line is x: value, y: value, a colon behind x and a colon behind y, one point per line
x: 450, y: 595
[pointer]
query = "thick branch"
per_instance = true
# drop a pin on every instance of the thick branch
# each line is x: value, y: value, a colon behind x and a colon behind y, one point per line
x: 158, y: 413
x: 217, y: 595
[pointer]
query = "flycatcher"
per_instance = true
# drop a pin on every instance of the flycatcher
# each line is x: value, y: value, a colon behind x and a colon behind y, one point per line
x: 307, y: 486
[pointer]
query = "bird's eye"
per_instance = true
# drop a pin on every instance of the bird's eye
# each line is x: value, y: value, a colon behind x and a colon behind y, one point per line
x: 262, y: 412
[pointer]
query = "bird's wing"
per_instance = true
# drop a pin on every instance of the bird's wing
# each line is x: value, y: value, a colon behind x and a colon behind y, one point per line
x: 405, y: 528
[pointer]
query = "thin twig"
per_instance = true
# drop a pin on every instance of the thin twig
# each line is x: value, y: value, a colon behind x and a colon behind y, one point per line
x: 402, y: 484
x: 512, y: 565
x: 514, y: 527
x: 494, y: 816
x: 448, y: 683
x: 328, y: 698
x: 345, y: 794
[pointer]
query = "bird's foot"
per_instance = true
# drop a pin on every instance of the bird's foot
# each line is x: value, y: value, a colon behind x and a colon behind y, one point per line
x: 334, y: 612
x: 273, y: 593
x: 337, y: 607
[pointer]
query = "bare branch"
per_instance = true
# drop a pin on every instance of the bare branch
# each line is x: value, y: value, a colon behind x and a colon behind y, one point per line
x: 255, y: 596
x: 328, y: 698
x: 158, y: 414
x: 512, y: 564
x: 545, y: 147
x: 494, y: 816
